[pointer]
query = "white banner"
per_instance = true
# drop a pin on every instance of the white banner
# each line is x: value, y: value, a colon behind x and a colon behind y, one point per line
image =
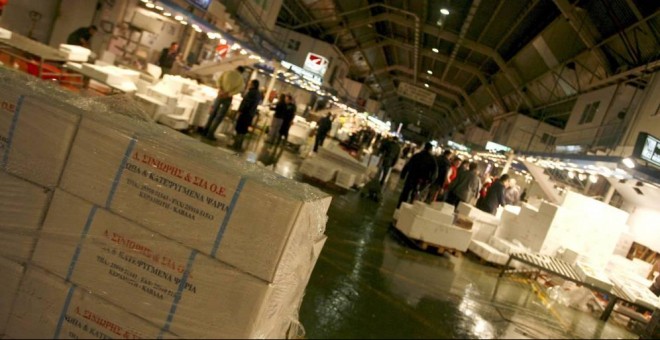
x: 417, y: 94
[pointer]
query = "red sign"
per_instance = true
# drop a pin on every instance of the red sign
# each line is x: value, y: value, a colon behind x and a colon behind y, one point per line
x: 222, y: 50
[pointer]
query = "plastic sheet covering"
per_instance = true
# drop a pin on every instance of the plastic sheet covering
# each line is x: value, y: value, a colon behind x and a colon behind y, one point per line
x: 112, y: 226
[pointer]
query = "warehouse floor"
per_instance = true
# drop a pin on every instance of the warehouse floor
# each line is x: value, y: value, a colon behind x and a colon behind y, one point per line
x: 368, y: 283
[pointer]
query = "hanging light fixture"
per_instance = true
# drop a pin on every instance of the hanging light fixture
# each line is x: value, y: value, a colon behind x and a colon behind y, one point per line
x: 593, y: 178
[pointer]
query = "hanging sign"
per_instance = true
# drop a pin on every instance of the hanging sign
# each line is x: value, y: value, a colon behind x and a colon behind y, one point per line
x: 417, y: 94
x: 316, y: 63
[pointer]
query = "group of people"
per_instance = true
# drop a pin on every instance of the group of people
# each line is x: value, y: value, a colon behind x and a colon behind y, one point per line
x: 429, y: 178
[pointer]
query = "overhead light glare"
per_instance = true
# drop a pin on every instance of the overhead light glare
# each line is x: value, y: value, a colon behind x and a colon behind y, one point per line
x: 178, y: 17
x: 150, y: 5
x: 435, y: 50
x: 429, y: 72
x: 167, y: 14
x: 426, y: 85
x: 593, y: 178
x: 444, y: 11
x: 160, y: 8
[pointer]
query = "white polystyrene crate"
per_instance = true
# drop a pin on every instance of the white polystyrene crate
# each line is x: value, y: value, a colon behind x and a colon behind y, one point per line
x: 444, y: 207
x: 447, y: 235
x: 424, y: 210
x: 488, y: 253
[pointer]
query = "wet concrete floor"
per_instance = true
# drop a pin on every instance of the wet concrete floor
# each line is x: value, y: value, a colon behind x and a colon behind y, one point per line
x: 368, y: 283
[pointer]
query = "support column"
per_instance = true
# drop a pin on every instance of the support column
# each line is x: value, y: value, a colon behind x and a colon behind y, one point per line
x: 271, y: 84
x: 509, y: 160
x: 608, y: 195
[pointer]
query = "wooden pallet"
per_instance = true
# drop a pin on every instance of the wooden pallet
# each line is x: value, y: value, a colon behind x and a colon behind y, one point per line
x: 424, y: 245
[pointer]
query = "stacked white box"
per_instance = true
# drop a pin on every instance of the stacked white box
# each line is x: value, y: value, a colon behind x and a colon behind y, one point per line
x: 593, y: 276
x: 23, y: 206
x: 48, y: 307
x: 296, y: 213
x: 144, y: 272
x: 410, y: 224
x: 505, y: 246
x: 345, y: 179
x: 483, y: 231
x: 35, y: 137
x: 488, y: 253
x: 444, y: 207
x: 163, y: 188
x: 424, y: 210
x: 12, y: 273
x: 476, y: 214
x: 446, y: 235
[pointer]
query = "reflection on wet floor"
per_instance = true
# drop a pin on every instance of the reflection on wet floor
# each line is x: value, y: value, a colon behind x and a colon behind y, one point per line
x: 369, y: 284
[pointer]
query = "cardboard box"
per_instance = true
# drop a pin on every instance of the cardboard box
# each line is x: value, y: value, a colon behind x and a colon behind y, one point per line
x: 12, y: 273
x: 150, y: 275
x: 424, y: 210
x: 35, y: 136
x: 488, y: 253
x: 23, y: 206
x: 48, y: 307
x: 208, y: 201
x: 447, y: 236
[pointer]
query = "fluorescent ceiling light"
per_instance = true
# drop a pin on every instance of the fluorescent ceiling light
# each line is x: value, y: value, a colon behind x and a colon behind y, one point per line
x: 629, y: 163
x: 444, y: 11
x: 435, y: 50
x: 593, y: 178
x: 178, y: 17
x: 167, y: 14
x: 571, y: 174
x: 426, y: 85
x: 159, y: 8
x: 429, y: 72
x: 183, y: 22
x: 150, y: 5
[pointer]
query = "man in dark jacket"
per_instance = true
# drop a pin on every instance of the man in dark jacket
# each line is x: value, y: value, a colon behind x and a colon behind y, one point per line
x: 419, y: 172
x: 435, y: 192
x: 287, y: 120
x: 495, y: 196
x: 389, y: 152
x: 278, y: 118
x: 325, y: 124
x: 167, y: 58
x: 246, y: 113
x: 81, y: 36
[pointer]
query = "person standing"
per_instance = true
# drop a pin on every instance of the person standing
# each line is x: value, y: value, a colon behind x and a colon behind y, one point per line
x: 82, y: 36
x: 389, y: 153
x: 246, y: 113
x: 495, y: 195
x: 324, y: 127
x: 512, y: 193
x: 419, y: 171
x: 436, y: 191
x: 167, y: 58
x: 229, y: 84
x: 278, y: 118
x: 288, y: 118
x: 465, y: 187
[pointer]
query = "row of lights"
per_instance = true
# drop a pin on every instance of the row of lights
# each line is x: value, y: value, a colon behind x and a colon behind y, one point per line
x: 211, y: 35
